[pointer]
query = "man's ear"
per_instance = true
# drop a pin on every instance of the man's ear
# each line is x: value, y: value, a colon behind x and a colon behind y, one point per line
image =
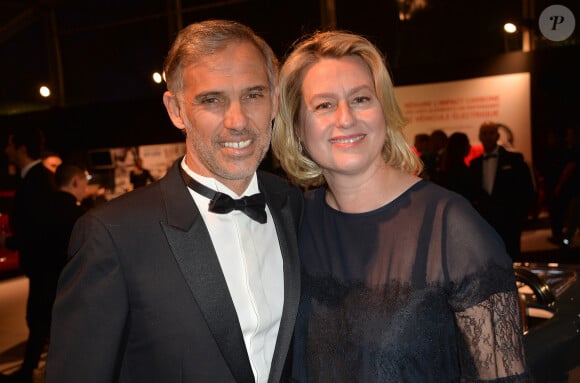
x: 74, y: 182
x: 173, y: 109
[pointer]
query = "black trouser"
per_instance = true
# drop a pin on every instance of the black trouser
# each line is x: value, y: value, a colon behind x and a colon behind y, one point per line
x: 41, y: 295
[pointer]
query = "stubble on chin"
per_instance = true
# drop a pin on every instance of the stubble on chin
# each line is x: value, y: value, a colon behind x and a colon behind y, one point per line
x: 212, y: 160
x: 218, y: 165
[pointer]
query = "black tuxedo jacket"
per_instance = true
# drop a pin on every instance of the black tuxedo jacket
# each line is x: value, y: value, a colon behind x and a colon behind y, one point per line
x: 511, y: 197
x: 512, y: 188
x: 143, y: 298
x: 28, y: 216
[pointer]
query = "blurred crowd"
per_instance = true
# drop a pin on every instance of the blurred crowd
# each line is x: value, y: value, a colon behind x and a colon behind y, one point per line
x: 504, y: 188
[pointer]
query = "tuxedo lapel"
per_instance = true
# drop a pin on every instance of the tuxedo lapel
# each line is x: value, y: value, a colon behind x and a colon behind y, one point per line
x: 194, y: 252
x: 279, y: 206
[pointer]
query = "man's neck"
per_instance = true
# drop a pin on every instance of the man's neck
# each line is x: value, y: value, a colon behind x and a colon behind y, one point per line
x: 70, y: 190
x: 492, y: 150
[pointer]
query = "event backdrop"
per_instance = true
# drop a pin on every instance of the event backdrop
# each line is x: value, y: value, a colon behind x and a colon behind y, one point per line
x: 463, y: 105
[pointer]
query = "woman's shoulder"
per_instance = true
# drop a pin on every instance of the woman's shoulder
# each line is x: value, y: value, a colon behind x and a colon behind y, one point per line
x: 450, y: 206
x: 430, y: 192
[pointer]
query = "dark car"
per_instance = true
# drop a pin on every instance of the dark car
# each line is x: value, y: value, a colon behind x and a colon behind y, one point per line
x: 9, y: 261
x: 550, y: 297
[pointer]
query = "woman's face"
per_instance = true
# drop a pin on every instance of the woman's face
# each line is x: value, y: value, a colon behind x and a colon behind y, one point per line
x: 341, y: 121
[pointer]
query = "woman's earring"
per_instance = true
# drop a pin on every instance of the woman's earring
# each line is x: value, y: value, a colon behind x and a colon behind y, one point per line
x: 299, y: 146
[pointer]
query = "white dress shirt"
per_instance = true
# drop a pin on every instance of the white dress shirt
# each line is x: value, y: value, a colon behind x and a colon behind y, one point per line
x: 251, y: 260
x: 489, y: 169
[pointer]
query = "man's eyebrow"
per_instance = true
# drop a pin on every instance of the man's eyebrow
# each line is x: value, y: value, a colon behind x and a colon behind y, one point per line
x: 209, y: 94
x: 259, y: 88
x: 217, y: 93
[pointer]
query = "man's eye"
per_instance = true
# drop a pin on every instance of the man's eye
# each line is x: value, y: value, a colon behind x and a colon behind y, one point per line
x: 255, y: 95
x: 210, y: 100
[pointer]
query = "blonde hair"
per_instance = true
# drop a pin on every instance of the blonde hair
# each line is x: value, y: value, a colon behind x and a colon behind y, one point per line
x: 286, y: 145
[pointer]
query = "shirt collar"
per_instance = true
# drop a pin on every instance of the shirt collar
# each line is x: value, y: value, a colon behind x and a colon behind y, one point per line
x: 25, y: 169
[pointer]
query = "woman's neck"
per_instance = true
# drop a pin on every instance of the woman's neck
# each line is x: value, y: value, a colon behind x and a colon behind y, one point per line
x: 359, y: 194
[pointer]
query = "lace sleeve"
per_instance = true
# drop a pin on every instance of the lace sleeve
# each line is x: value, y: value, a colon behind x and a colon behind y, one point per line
x: 492, y: 347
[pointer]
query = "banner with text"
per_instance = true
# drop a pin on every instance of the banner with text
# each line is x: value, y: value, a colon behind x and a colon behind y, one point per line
x: 463, y: 105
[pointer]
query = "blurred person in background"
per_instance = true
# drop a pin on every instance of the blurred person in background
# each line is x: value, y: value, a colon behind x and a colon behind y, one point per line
x: 454, y: 174
x: 505, y: 190
x: 64, y: 208
x: 51, y: 161
x: 140, y: 176
x: 434, y: 156
x: 422, y: 149
x: 566, y: 192
x: 36, y: 185
x: 421, y: 143
x: 550, y: 163
x: 61, y: 211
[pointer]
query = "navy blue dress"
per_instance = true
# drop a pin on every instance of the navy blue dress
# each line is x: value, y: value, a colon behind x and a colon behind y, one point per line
x: 419, y: 290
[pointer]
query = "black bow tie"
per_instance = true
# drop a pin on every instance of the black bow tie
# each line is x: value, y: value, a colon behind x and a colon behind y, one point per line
x: 488, y: 156
x: 253, y: 206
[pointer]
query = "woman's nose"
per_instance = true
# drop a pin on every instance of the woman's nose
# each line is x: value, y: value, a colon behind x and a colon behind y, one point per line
x: 345, y: 117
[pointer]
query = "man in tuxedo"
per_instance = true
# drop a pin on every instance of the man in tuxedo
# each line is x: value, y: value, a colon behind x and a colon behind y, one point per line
x: 36, y: 183
x: 63, y: 209
x: 168, y: 283
x: 505, y: 191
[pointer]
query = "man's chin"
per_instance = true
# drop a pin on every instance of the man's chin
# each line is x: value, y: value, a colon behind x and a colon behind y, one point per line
x: 237, y: 171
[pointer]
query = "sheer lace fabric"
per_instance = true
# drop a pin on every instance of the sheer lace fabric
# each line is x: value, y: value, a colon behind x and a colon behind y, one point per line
x: 491, y: 345
x: 420, y: 290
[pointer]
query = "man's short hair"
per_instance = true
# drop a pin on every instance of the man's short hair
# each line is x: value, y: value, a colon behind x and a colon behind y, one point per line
x: 30, y: 137
x: 66, y: 172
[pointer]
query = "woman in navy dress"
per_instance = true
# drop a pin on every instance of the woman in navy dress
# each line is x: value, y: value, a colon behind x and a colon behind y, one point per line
x: 403, y: 281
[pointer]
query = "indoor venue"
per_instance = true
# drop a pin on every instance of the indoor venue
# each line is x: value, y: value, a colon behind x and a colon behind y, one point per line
x: 89, y: 74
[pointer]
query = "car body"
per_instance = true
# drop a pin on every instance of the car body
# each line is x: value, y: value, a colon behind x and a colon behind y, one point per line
x: 550, y: 297
x: 9, y: 260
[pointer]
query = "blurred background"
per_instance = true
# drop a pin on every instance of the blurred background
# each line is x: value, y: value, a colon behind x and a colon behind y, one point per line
x: 98, y: 57
x: 100, y: 64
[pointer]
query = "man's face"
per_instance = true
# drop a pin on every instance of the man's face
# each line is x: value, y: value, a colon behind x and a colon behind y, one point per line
x: 226, y: 110
x: 488, y: 135
x: 52, y: 163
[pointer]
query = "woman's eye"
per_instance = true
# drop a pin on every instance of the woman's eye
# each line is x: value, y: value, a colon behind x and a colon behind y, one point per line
x: 361, y: 99
x: 324, y: 105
